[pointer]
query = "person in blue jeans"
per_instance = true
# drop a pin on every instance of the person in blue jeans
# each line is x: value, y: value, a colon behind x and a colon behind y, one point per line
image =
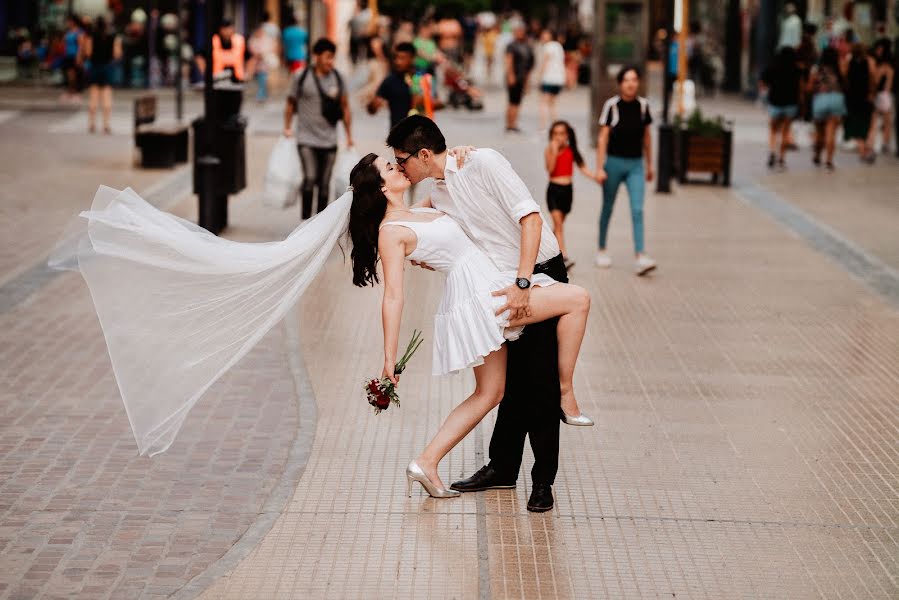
x: 624, y: 145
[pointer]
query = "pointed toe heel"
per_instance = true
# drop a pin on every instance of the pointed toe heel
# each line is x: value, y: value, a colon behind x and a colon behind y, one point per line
x: 415, y: 473
x: 581, y: 420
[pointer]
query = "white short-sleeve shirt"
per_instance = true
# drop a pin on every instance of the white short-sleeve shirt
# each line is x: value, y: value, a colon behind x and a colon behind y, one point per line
x: 553, y: 56
x: 488, y: 199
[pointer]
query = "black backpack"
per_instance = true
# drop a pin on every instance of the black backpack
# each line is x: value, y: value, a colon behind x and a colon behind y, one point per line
x: 332, y: 108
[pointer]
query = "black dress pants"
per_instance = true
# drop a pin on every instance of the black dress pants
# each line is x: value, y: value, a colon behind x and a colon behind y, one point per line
x: 317, y: 166
x: 532, y: 401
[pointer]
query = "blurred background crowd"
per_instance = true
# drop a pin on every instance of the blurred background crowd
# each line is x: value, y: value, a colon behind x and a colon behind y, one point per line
x: 730, y: 42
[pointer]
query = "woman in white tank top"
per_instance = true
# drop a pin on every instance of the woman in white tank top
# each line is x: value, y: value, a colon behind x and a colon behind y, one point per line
x: 471, y: 325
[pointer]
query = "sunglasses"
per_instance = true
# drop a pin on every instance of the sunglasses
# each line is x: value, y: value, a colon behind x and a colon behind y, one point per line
x: 401, y: 162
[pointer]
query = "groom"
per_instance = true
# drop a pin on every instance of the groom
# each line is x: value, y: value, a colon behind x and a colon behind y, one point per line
x: 496, y: 210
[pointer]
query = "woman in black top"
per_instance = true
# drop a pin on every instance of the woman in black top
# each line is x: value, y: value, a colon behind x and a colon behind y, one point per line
x: 859, y: 75
x: 102, y: 48
x: 624, y: 143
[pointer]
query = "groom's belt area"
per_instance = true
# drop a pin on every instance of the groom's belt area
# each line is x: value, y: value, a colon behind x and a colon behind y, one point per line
x: 550, y: 265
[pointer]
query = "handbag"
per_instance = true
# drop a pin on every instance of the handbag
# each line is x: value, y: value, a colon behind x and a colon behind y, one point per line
x: 332, y: 108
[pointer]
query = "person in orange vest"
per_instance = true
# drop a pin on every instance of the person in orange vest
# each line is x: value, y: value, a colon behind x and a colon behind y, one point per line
x: 228, y: 52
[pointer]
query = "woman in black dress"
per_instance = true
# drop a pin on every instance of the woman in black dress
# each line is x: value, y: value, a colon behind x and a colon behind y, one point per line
x: 859, y: 74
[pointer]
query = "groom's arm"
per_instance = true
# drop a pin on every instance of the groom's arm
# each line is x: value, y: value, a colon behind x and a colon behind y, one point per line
x: 513, y: 194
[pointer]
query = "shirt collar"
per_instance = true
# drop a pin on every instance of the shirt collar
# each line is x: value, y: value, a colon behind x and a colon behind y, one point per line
x: 451, y: 165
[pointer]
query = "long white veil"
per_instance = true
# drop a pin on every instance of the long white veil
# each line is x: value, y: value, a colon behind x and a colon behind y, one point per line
x: 178, y: 305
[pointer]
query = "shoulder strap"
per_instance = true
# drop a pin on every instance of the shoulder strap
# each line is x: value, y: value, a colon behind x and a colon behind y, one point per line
x: 300, y: 82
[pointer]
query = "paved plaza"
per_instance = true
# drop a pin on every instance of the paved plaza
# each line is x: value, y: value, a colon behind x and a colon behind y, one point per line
x: 746, y: 398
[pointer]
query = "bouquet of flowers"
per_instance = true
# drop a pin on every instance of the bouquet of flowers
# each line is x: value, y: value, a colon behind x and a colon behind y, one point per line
x: 381, y: 392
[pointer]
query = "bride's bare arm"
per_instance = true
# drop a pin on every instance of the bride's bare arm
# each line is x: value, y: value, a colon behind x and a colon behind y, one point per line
x: 392, y: 248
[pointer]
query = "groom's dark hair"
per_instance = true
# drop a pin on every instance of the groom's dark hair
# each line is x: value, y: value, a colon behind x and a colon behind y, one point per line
x: 415, y: 133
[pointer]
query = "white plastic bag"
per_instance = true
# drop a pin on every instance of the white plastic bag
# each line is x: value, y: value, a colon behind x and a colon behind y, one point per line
x: 283, y: 175
x: 340, y: 176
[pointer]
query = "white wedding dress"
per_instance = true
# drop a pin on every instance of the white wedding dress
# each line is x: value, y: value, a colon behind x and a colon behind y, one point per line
x: 466, y: 326
x: 179, y: 306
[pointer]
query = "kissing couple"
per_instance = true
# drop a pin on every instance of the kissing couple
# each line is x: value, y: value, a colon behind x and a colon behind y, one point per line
x: 180, y: 306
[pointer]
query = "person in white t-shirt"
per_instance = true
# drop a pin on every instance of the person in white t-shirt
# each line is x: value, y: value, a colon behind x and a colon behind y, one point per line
x: 552, y: 75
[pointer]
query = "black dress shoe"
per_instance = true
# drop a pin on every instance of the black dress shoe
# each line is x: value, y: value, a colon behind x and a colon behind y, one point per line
x: 541, y: 499
x: 485, y: 479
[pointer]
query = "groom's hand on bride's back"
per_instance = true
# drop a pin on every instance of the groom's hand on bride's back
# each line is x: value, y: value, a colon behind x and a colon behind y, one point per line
x: 461, y: 153
x: 422, y: 265
x: 517, y: 302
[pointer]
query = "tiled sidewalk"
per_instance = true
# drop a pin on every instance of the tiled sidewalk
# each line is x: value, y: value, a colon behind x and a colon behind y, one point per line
x: 747, y: 405
x: 746, y: 398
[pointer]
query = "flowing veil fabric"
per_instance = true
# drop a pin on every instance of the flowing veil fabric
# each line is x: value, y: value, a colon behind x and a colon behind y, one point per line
x: 178, y: 305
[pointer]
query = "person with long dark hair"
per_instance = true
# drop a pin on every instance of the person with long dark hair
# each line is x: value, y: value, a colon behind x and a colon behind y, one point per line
x: 494, y: 207
x: 179, y: 307
x: 102, y: 49
x: 828, y: 104
x: 472, y: 323
x: 859, y: 73
x: 782, y: 82
x: 560, y: 156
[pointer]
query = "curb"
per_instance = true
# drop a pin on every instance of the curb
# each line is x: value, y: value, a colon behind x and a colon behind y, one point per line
x: 284, y: 490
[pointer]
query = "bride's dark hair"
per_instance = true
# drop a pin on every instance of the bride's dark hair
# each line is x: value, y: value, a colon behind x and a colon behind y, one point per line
x: 366, y: 213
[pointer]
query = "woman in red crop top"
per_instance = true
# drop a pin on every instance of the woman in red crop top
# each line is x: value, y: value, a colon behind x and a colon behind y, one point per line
x: 561, y: 155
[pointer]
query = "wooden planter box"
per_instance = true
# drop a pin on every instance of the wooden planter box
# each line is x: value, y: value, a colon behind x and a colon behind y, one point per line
x: 704, y: 154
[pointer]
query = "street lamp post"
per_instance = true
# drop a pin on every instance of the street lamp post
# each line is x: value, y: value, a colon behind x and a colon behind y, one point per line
x: 666, y: 130
x: 179, y: 77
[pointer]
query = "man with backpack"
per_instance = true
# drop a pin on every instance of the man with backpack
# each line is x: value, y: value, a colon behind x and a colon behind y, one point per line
x: 319, y: 100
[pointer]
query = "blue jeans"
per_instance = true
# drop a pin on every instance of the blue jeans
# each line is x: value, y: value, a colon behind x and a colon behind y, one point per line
x: 262, y: 83
x: 630, y: 172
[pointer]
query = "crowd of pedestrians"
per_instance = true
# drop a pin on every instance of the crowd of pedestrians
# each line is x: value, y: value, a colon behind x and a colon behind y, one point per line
x: 835, y: 82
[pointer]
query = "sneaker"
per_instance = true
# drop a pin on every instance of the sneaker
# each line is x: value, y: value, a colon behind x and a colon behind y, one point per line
x: 772, y: 160
x: 603, y: 260
x: 781, y: 165
x: 644, y: 265
x: 829, y: 167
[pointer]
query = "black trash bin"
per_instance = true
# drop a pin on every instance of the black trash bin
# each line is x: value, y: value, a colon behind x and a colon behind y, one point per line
x: 230, y: 147
x: 220, y: 163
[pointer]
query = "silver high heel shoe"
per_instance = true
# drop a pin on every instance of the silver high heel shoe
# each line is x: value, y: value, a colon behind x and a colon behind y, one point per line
x: 581, y: 420
x: 414, y: 473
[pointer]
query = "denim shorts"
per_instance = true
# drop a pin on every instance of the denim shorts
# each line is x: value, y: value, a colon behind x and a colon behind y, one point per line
x: 828, y: 104
x: 548, y: 88
x: 783, y: 112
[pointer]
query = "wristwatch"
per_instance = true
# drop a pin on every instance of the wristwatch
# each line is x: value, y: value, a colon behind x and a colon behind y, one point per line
x: 523, y: 283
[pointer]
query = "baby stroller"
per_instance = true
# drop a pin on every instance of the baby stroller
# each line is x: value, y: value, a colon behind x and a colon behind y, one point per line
x: 461, y: 92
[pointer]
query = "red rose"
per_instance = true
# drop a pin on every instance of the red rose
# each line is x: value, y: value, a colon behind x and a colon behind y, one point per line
x: 382, y: 401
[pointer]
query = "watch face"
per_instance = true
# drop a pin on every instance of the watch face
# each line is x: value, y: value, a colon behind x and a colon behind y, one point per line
x: 523, y: 283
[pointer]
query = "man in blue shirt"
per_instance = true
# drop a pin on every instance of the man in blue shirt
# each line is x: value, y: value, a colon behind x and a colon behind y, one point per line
x: 395, y: 90
x: 295, y: 39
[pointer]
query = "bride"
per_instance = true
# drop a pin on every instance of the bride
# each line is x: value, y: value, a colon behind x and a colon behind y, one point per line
x: 471, y: 325
x: 179, y: 306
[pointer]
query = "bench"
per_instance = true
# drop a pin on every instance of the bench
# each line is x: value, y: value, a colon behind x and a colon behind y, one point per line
x: 161, y: 146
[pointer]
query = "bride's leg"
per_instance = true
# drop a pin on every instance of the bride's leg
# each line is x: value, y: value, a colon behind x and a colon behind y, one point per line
x: 490, y: 383
x: 571, y: 304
